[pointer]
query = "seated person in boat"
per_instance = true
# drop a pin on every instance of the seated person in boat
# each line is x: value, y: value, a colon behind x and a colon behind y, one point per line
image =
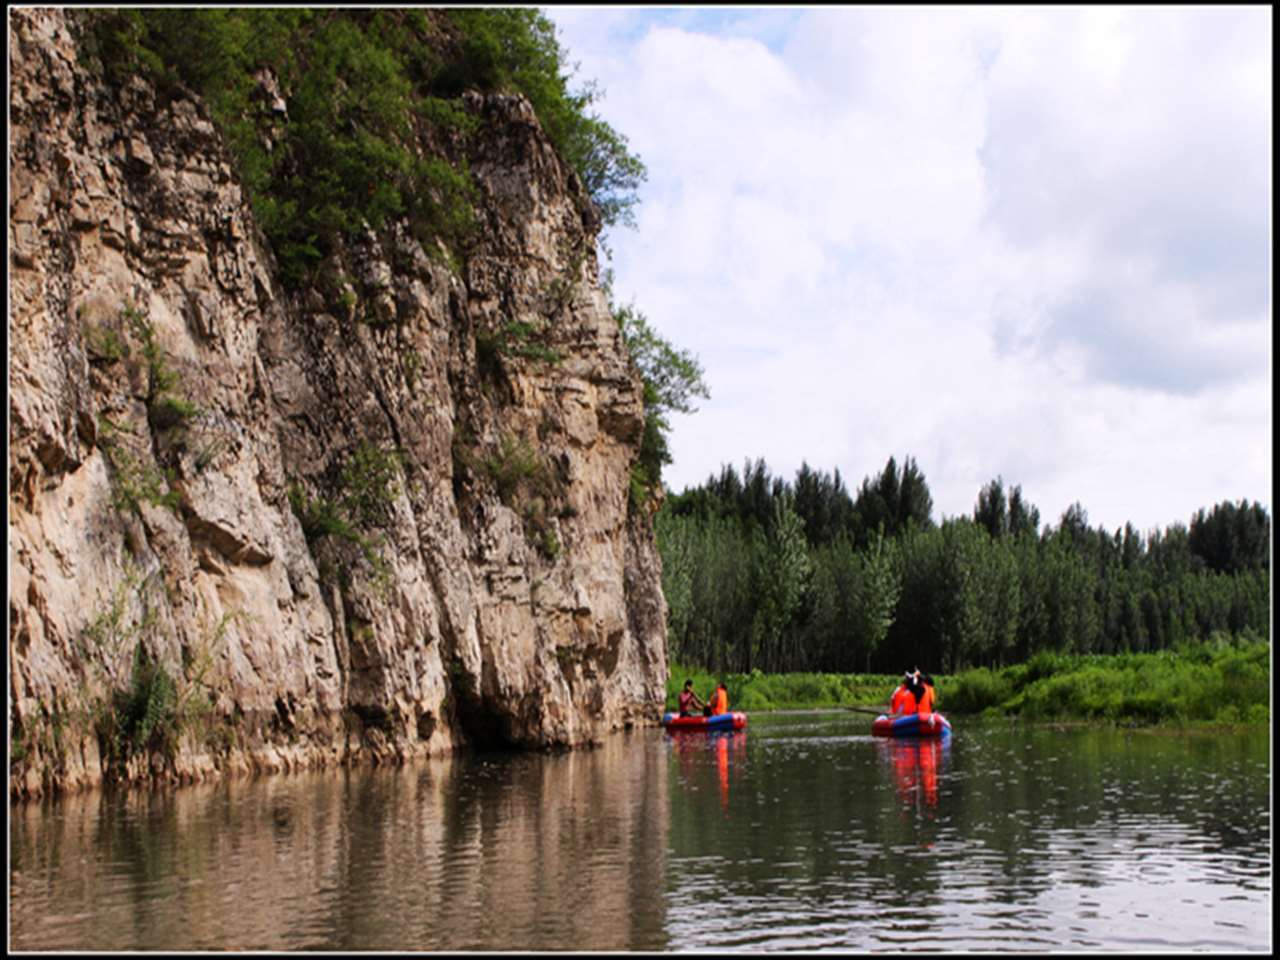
x: 719, y: 702
x: 903, y: 700
x: 689, y: 700
x: 925, y: 697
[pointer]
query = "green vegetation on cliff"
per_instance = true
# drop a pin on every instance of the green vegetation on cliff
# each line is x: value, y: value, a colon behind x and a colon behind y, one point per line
x: 366, y: 488
x: 326, y: 110
x: 516, y: 49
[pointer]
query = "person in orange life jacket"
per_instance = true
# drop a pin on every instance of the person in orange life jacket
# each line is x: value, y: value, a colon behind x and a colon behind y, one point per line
x: 689, y: 700
x: 903, y: 701
x: 719, y: 702
x: 925, y: 698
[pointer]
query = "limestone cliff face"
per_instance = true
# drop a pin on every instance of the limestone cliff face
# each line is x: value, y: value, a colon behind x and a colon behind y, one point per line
x: 175, y: 416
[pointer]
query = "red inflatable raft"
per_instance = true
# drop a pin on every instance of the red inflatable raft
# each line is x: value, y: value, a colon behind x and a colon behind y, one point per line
x: 911, y: 725
x: 721, y: 721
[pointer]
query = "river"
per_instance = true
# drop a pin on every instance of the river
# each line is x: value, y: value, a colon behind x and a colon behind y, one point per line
x: 800, y: 832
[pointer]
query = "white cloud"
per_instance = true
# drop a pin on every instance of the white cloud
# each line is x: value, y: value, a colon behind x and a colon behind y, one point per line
x: 1027, y: 242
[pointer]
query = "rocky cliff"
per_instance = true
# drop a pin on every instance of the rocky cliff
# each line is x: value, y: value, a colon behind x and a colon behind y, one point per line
x: 256, y: 529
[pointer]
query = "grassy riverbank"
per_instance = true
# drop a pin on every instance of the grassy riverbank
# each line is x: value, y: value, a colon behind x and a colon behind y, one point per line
x: 784, y: 691
x: 1198, y: 683
x: 1208, y: 682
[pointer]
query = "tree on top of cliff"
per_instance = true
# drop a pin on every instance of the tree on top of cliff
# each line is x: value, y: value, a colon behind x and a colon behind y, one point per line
x: 672, y: 378
x: 517, y: 49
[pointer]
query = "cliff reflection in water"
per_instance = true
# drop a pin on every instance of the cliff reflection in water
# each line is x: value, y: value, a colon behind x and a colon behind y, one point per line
x: 562, y: 851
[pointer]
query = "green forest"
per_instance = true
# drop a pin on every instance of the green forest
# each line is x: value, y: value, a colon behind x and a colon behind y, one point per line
x: 765, y: 574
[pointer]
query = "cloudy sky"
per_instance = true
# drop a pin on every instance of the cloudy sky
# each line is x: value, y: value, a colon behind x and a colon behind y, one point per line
x: 1026, y: 242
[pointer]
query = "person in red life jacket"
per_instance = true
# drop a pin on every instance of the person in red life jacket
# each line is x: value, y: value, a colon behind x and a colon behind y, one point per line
x: 719, y: 701
x: 689, y: 700
x: 903, y: 701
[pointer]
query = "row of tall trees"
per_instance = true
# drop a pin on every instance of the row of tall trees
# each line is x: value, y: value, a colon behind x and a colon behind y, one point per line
x: 762, y: 573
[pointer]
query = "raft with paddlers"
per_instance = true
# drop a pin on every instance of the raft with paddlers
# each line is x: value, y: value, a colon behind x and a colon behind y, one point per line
x: 733, y: 720
x: 911, y: 725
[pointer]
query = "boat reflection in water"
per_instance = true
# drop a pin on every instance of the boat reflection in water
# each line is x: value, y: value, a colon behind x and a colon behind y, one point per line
x: 917, y: 765
x: 729, y: 747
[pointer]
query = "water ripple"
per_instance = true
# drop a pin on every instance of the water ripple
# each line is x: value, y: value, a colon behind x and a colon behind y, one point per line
x: 801, y: 834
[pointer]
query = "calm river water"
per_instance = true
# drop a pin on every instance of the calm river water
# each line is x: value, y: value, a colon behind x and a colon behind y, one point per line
x: 800, y: 832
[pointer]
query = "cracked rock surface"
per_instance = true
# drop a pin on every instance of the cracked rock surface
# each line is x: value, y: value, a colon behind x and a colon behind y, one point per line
x: 173, y: 411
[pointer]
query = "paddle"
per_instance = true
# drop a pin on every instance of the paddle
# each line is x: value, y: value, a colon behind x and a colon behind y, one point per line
x: 877, y: 711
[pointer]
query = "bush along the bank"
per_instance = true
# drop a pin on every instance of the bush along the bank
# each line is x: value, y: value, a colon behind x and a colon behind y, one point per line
x: 1216, y: 682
